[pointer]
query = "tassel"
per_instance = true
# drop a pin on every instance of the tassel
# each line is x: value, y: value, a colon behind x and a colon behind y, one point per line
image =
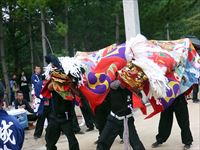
x: 126, y: 135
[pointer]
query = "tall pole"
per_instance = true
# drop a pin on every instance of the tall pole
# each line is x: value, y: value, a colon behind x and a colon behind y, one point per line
x: 44, y: 47
x: 167, y: 28
x: 131, y: 18
x: 66, y: 34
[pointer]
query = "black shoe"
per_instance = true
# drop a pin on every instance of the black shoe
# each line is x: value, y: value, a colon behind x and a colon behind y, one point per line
x: 89, y: 129
x: 96, y: 142
x: 196, y: 101
x: 80, y: 132
x: 36, y: 137
x: 186, y: 147
x: 155, y: 145
x: 121, y: 142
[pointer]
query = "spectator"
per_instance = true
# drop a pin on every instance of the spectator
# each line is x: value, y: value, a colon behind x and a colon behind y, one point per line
x: 42, y: 107
x: 13, y: 88
x: 22, y: 103
x: 24, y: 86
x: 12, y: 134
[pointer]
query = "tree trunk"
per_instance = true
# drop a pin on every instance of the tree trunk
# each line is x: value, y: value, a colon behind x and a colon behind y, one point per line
x: 117, y: 29
x: 66, y: 34
x: 44, y: 47
x: 12, y: 30
x: 31, y: 43
x: 2, y: 56
x: 16, y: 50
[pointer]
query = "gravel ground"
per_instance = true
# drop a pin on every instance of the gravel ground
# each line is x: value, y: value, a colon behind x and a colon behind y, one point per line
x: 147, y: 130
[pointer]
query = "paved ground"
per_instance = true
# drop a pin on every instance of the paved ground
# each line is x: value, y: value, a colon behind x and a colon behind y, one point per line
x: 147, y: 129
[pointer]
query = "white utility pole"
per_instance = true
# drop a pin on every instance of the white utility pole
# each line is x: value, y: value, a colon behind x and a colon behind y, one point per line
x: 131, y: 18
x: 167, y: 28
x: 44, y: 47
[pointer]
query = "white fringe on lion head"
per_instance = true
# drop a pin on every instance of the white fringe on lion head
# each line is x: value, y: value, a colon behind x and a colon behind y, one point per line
x: 157, y: 80
x: 70, y: 65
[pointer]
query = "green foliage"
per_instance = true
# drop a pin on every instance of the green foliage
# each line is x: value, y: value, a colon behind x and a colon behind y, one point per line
x: 89, y: 24
x: 182, y: 17
x: 61, y: 28
x: 33, y: 4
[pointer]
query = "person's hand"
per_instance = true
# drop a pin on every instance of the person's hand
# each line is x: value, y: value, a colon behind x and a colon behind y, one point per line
x: 50, y: 86
x: 22, y: 106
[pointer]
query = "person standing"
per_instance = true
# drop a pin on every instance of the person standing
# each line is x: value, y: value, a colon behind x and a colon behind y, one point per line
x: 120, y: 119
x: 101, y: 114
x: 195, y: 93
x: 45, y: 114
x: 87, y: 114
x: 196, y: 43
x: 60, y: 120
x: 13, y: 88
x: 37, y: 84
x: 179, y: 107
x: 35, y: 78
x: 24, y: 86
x: 75, y: 124
x: 11, y: 133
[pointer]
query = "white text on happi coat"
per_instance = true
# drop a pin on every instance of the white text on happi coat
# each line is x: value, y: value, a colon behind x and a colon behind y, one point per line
x: 6, y: 133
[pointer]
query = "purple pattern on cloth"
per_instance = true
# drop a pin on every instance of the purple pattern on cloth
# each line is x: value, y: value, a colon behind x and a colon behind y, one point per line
x: 100, y: 82
x: 119, y: 51
x: 102, y: 78
x: 172, y: 93
x: 92, y: 79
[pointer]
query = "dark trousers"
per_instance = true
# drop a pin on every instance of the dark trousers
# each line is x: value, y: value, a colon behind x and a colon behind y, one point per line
x: 40, y: 122
x: 182, y: 116
x: 195, y: 92
x: 25, y: 91
x: 112, y: 128
x: 53, y: 132
x: 32, y: 117
x: 76, y: 127
x: 87, y: 114
x: 12, y: 97
x: 101, y: 114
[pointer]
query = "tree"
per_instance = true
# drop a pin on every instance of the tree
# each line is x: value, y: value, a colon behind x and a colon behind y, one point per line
x: 181, y: 16
x: 85, y: 25
x: 33, y: 5
x: 2, y: 54
x: 31, y: 42
x: 60, y: 15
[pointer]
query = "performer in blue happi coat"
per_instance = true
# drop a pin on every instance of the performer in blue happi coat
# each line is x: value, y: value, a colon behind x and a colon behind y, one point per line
x: 11, y: 133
